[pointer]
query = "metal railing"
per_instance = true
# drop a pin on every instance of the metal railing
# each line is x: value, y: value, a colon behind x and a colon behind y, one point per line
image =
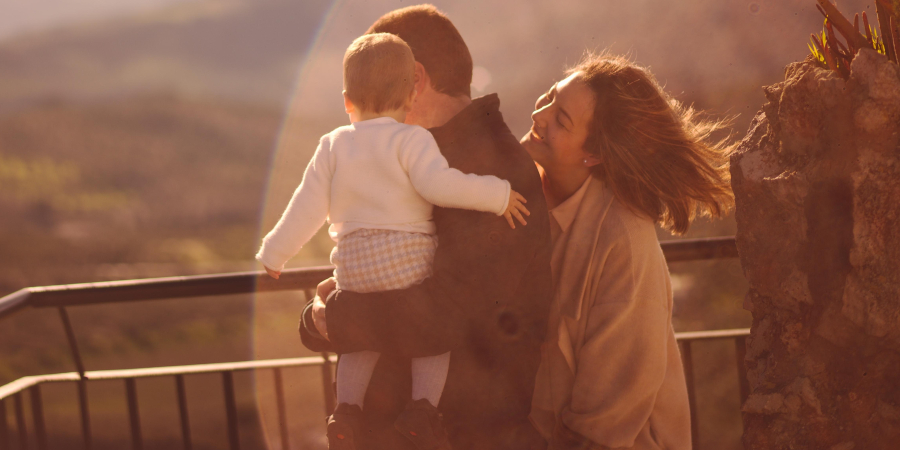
x: 61, y: 297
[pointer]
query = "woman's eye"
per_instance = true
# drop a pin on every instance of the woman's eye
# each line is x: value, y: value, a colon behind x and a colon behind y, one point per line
x: 560, y: 122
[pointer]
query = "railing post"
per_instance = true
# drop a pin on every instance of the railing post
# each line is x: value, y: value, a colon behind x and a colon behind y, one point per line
x: 82, y: 383
x: 688, y: 362
x: 73, y: 344
x: 234, y: 441
x: 37, y: 414
x: 740, y: 347
x: 282, y: 414
x: 134, y: 418
x: 183, y: 412
x: 4, y: 426
x: 85, y: 414
x: 20, y: 421
x: 328, y: 384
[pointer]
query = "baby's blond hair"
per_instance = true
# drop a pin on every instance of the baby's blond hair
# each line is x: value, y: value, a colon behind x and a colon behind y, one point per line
x: 379, y: 71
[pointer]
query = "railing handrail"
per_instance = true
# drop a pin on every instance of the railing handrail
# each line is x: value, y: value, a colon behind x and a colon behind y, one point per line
x: 248, y: 282
x: 160, y: 288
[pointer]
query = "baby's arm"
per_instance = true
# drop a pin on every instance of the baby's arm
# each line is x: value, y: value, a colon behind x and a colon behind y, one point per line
x: 441, y: 185
x: 304, y: 215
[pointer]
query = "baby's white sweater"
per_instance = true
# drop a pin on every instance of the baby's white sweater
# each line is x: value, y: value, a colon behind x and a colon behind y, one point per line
x: 376, y: 174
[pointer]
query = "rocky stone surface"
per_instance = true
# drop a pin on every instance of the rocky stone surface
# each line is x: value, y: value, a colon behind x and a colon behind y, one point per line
x: 817, y: 186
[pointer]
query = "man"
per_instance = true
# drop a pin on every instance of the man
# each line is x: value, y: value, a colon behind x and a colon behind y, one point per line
x: 488, y: 298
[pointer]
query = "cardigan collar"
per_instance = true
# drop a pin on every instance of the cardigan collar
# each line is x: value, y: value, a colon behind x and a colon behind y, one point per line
x: 564, y: 213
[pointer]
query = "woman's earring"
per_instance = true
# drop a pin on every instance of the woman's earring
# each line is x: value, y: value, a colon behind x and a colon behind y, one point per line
x: 585, y: 160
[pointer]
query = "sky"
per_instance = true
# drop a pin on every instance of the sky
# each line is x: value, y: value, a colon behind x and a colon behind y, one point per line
x: 29, y: 16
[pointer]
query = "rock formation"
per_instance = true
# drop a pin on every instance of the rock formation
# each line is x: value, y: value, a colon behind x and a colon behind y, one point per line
x: 817, y: 186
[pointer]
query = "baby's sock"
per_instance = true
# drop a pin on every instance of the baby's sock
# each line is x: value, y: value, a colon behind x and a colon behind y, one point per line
x: 429, y: 374
x: 353, y: 374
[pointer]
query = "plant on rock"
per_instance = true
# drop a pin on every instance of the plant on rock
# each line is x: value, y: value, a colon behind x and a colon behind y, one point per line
x: 836, y: 55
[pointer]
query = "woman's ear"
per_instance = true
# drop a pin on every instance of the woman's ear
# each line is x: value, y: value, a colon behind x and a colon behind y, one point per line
x: 591, y: 160
x: 348, y: 105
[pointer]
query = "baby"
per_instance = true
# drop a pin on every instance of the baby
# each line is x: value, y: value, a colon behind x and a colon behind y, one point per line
x: 376, y: 181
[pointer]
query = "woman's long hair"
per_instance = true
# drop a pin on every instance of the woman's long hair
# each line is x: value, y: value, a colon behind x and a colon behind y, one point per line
x: 656, y: 155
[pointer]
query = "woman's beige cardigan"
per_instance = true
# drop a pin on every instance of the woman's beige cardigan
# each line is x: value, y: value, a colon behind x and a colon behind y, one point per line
x: 610, y: 369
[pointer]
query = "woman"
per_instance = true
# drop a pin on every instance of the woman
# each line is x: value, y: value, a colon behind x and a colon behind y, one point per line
x: 617, y: 156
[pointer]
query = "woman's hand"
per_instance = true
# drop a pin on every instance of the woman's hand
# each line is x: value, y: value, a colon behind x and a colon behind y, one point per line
x: 516, y: 207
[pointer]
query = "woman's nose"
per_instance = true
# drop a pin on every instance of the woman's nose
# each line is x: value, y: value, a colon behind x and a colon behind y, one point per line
x: 538, y: 114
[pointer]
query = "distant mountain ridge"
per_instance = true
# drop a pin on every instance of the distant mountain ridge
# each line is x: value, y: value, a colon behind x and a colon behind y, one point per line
x: 247, y: 51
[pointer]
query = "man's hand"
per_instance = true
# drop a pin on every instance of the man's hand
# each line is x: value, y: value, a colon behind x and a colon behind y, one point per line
x: 325, y: 287
x: 318, y: 309
x: 273, y: 273
x: 516, y: 207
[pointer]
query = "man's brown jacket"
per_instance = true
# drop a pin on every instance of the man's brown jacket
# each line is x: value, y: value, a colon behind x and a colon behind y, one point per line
x: 487, y: 303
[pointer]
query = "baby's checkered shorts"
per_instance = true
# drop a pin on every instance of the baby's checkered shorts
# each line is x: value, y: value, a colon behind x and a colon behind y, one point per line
x: 381, y: 260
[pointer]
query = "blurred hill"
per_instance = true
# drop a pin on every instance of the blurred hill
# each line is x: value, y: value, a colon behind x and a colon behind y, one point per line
x: 239, y: 50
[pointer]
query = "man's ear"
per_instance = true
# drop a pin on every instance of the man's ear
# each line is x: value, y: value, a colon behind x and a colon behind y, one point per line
x: 422, y: 80
x: 348, y: 105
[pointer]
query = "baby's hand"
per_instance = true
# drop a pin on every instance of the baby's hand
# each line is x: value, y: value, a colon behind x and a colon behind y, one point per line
x: 273, y: 273
x: 516, y: 207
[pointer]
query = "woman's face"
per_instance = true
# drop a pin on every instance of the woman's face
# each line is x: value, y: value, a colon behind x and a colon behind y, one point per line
x: 561, y: 120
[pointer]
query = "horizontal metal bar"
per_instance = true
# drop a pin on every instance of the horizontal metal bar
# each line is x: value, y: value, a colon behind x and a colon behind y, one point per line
x: 27, y: 382
x: 247, y: 282
x: 714, y: 334
x: 161, y: 288
x: 14, y: 302
x: 699, y: 249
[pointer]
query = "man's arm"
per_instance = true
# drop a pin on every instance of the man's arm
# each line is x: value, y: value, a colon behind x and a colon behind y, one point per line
x: 421, y: 320
x: 309, y: 335
x: 478, y: 266
x: 313, y: 330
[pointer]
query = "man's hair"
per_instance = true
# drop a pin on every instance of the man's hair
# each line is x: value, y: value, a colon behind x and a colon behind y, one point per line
x: 436, y: 44
x: 657, y: 155
x: 379, y: 72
